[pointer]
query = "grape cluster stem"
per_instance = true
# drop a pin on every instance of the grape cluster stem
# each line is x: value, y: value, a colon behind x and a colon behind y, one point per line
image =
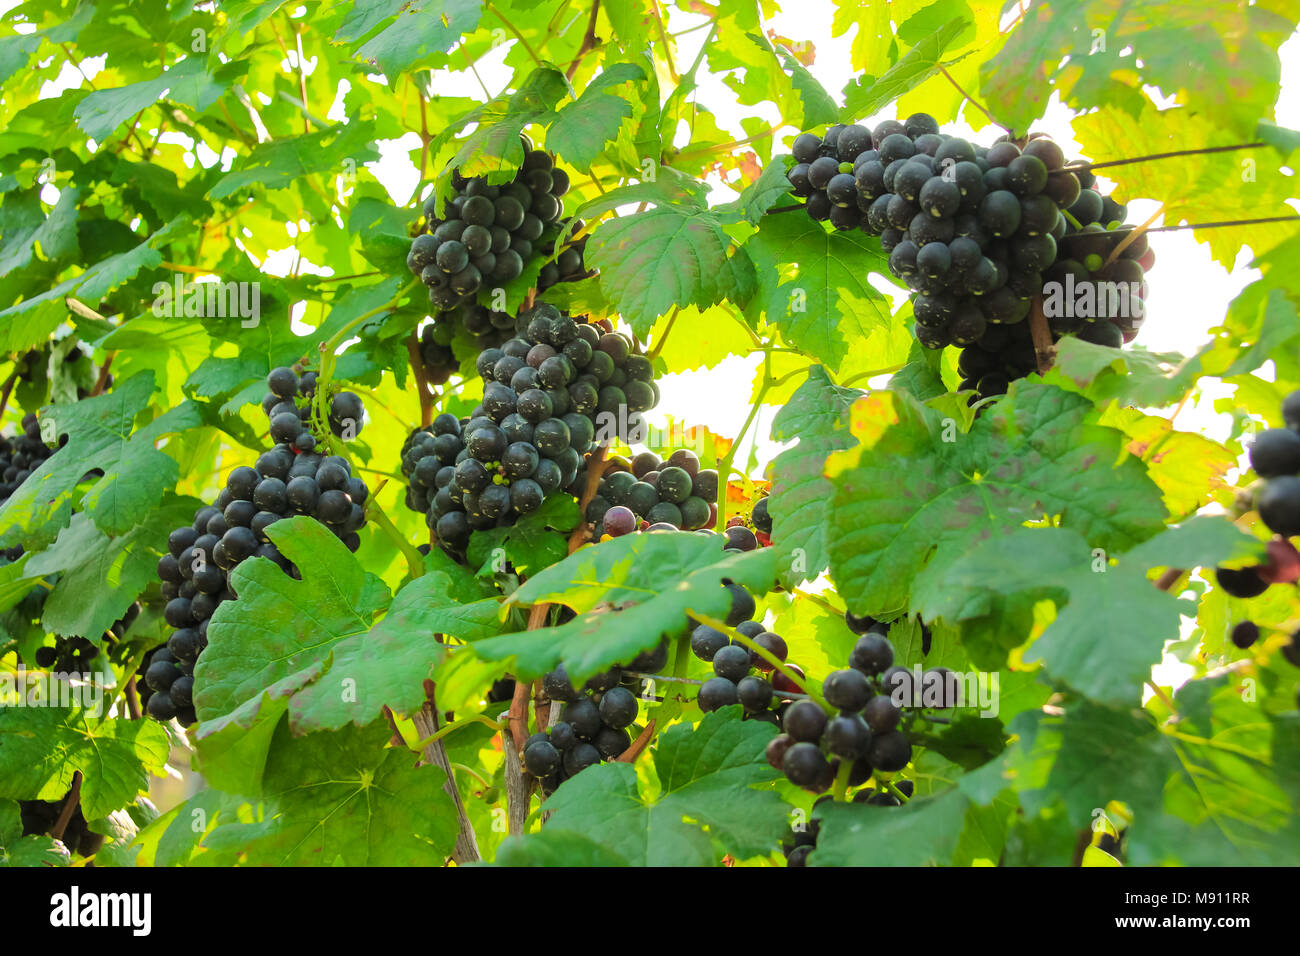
x: 421, y: 380
x: 426, y: 723
x: 69, y: 807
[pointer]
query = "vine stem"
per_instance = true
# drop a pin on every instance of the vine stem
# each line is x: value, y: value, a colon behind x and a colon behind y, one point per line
x: 102, y: 381
x: 132, y: 699
x: 666, y: 678
x: 1133, y: 235
x: 452, y: 727
x: 1041, y: 335
x: 1163, y: 697
x: 734, y: 144
x: 473, y: 773
x: 374, y: 511
x: 871, y: 374
x: 8, y: 388
x: 819, y: 601
x: 588, y: 41
x: 1071, y: 167
x: 1221, y: 224
x: 889, y: 786
x: 320, y: 280
x: 672, y: 320
x: 425, y: 138
x: 515, y: 30
x: 841, y: 790
x: 763, y: 652
x: 342, y: 334
x: 426, y: 723
x: 83, y: 310
x: 421, y: 379
x: 724, y: 467
x: 370, y: 395
x: 642, y: 741
x: 69, y: 808
x: 660, y: 21
x: 1169, y: 578
x: 974, y: 102
x: 596, y: 465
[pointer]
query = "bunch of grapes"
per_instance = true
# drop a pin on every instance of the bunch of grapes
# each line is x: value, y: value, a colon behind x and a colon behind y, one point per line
x: 655, y: 495
x: 21, y: 455
x: 40, y: 816
x: 1275, y: 457
x: 746, y: 534
x: 441, y: 350
x: 195, y: 573
x: 593, y: 725
x: 72, y: 655
x: 288, y: 407
x: 1093, y: 234
x: 488, y: 233
x: 734, y: 666
x: 974, y: 233
x: 862, y: 728
x: 545, y: 391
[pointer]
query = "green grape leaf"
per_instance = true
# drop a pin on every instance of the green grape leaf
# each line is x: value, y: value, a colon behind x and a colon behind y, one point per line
x: 494, y: 148
x: 869, y: 50
x: 278, y: 625
x: 100, y: 437
x: 818, y: 106
x: 925, y: 832
x: 653, y: 580
x: 1106, y: 639
x: 30, y: 322
x: 54, y: 235
x: 1205, y: 187
x: 1133, y: 376
x: 104, y: 110
x: 665, y: 256
x: 108, y: 575
x: 1219, y: 57
x: 19, y: 850
x: 388, y: 664
x: 41, y: 748
x: 281, y: 163
x: 16, y: 50
x: 1195, y: 799
x: 1234, y: 801
x: 1261, y: 324
x: 706, y: 774
x: 868, y: 95
x: 533, y: 542
x: 421, y: 30
x: 760, y: 195
x: 341, y: 799
x: 823, y: 301
x: 382, y: 232
x: 581, y: 130
x: 1032, y: 455
x: 1188, y: 467
x: 552, y: 847
x: 816, y: 418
